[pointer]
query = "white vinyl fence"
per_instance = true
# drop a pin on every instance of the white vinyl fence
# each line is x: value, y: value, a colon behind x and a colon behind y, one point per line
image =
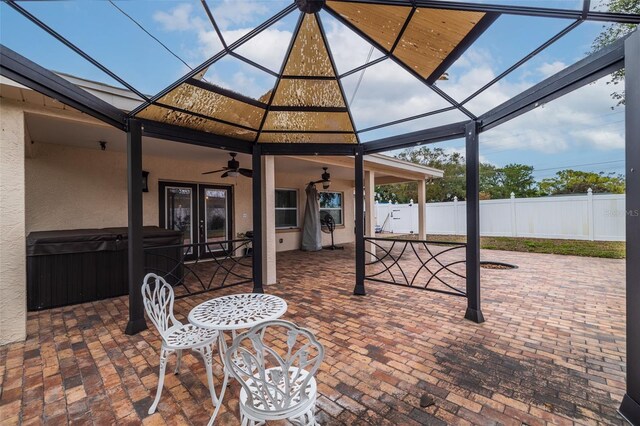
x: 580, y: 217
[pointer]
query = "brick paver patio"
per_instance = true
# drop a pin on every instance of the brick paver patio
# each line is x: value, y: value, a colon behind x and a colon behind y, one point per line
x: 552, y: 351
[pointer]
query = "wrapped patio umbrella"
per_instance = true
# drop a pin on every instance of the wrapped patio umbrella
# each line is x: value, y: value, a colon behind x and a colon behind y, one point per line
x: 311, y: 233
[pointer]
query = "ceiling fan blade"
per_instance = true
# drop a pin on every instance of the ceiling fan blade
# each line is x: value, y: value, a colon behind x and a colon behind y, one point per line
x: 246, y: 172
x: 224, y: 175
x: 214, y: 171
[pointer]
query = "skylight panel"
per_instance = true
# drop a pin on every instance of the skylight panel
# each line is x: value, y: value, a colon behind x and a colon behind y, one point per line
x: 348, y: 48
x: 387, y: 92
x: 440, y: 119
x: 240, y: 77
x: 489, y: 56
x: 111, y: 38
x: 566, y: 51
x: 270, y: 46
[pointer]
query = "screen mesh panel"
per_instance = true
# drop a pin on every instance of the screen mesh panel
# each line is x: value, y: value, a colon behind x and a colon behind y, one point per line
x: 289, y: 137
x: 427, y: 41
x: 170, y: 116
x: 309, y: 54
x: 380, y: 22
x: 297, y: 121
x: 205, y: 102
x: 297, y: 92
x: 432, y: 35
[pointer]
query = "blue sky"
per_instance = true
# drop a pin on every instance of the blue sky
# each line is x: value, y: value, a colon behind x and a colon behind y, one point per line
x: 579, y: 130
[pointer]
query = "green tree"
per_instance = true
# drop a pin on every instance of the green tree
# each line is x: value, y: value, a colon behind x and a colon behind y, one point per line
x: 451, y: 163
x: 517, y: 178
x: 494, y: 182
x: 611, y: 33
x: 578, y: 182
x: 400, y: 193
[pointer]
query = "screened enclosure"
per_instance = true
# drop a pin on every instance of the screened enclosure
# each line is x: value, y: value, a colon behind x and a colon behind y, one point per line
x: 324, y: 77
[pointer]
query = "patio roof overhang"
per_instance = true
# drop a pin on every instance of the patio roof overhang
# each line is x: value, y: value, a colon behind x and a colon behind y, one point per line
x: 297, y: 121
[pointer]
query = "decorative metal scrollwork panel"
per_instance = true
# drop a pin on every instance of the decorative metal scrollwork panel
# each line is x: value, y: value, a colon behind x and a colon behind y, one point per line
x: 197, y: 268
x: 434, y: 266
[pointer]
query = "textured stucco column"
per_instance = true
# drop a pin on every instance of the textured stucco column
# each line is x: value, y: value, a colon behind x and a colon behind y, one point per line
x: 13, y: 285
x: 422, y: 205
x: 370, y: 211
x: 268, y: 220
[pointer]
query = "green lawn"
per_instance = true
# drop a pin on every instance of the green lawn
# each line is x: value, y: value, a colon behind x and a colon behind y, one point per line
x: 608, y: 249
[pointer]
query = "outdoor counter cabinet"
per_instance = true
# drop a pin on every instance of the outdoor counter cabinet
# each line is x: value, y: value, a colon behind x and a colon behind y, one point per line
x: 82, y: 265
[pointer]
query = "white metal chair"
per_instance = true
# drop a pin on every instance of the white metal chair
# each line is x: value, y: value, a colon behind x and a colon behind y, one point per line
x: 158, y: 302
x: 277, y: 380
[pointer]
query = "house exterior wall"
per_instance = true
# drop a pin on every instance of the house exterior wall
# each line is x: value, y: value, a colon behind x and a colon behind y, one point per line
x: 13, y: 288
x: 68, y: 187
x: 291, y: 238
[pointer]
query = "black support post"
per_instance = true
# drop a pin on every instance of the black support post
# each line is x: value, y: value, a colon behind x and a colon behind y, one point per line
x: 257, y: 219
x: 359, y: 182
x: 630, y: 407
x: 474, y: 313
x: 135, y: 242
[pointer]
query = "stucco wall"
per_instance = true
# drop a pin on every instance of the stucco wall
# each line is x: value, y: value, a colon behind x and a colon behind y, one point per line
x: 291, y: 238
x: 70, y: 187
x: 13, y: 306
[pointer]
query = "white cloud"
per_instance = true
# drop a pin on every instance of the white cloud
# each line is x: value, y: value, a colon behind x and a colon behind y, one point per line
x: 580, y: 120
x: 387, y: 92
x: 177, y: 19
x: 601, y: 139
x: 549, y: 69
x: 234, y: 12
x: 268, y: 49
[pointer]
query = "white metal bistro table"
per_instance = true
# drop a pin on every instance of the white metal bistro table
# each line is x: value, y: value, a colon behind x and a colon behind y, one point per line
x: 232, y: 313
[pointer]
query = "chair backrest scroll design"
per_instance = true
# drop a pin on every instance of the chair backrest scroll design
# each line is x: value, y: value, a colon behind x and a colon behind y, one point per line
x: 158, y: 302
x: 275, y: 382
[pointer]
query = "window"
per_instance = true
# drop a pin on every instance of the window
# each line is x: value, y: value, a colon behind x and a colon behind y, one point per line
x: 286, y: 208
x: 331, y: 202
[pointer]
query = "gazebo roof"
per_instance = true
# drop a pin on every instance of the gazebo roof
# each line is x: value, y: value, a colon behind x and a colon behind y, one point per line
x: 306, y: 103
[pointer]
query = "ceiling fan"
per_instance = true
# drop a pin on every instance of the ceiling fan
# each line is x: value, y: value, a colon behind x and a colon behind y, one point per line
x: 325, y: 179
x: 233, y: 169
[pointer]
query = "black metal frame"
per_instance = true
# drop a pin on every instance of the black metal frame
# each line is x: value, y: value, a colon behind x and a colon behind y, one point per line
x: 630, y: 407
x: 400, y: 63
x: 390, y: 260
x: 256, y: 194
x: 135, y: 240
x: 511, y: 10
x: 619, y: 54
x: 73, y: 47
x: 21, y: 70
x: 472, y: 156
x: 359, y: 289
x: 492, y: 12
x: 225, y: 258
x: 335, y: 72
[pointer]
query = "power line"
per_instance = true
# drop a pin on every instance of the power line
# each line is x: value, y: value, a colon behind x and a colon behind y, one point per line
x: 150, y: 35
x: 578, y: 165
x: 361, y: 77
